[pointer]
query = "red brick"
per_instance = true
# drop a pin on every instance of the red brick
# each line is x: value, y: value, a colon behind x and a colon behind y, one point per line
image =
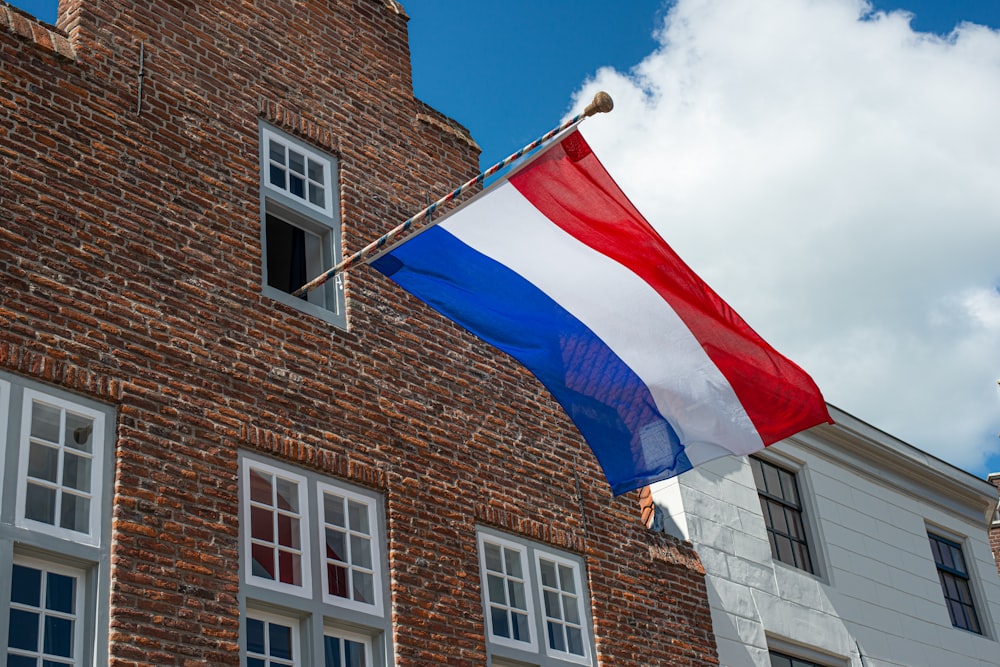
x: 130, y: 260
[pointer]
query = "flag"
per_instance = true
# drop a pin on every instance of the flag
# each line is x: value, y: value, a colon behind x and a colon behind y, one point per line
x: 557, y: 268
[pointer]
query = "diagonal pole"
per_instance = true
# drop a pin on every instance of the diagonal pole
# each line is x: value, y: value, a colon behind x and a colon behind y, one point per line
x: 602, y: 103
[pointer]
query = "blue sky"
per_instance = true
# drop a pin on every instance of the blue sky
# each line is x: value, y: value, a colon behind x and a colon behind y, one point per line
x: 538, y: 52
x: 832, y: 174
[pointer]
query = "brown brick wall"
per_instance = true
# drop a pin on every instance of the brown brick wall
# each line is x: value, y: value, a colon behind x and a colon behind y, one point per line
x: 130, y: 258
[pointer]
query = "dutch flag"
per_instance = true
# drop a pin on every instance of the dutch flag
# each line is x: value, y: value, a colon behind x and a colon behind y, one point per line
x: 555, y: 267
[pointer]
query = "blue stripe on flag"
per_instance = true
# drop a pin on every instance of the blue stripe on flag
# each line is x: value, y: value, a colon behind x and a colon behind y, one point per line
x: 607, y: 401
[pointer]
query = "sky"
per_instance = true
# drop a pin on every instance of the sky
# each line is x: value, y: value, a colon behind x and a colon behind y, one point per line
x: 829, y: 167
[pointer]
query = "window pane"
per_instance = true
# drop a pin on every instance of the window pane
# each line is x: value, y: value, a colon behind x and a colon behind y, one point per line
x: 788, y: 487
x: 571, y: 608
x: 45, y: 422
x: 21, y: 661
x: 785, y: 551
x: 574, y: 641
x: 337, y: 581
x: 40, y: 504
x: 496, y: 589
x: 288, y: 531
x: 288, y: 495
x: 276, y: 175
x: 43, y: 462
x: 361, y: 552
x: 364, y: 587
x: 296, y: 161
x: 520, y: 625
x: 59, y: 636
x: 548, y: 570
x: 499, y: 622
x: 26, y: 586
x: 958, y: 559
x: 517, y: 598
x: 513, y: 560
x: 289, y: 568
x: 297, y: 186
x: 333, y: 510
x: 567, y: 582
x: 358, y: 514
x: 280, y: 637
x: 23, y: 630
x: 79, y: 432
x: 76, y: 472
x: 772, y: 482
x: 261, y: 524
x: 336, y: 545
x: 276, y: 152
x: 331, y: 652
x: 317, y: 195
x: 260, y: 487
x: 60, y: 593
x: 552, y: 607
x: 355, y: 653
x: 557, y: 641
x: 492, y: 557
x: 263, y: 561
x: 316, y: 171
x: 778, y: 522
x: 75, y: 513
x: 255, y: 636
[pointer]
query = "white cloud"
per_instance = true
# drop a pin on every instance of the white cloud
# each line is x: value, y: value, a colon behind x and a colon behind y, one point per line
x: 834, y: 176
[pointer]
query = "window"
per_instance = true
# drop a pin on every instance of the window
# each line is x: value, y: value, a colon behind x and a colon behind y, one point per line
x: 534, y: 602
x: 277, y: 540
x: 346, y: 649
x: 782, y: 660
x: 313, y: 570
x: 955, y: 584
x: 52, y: 526
x: 57, y: 479
x: 45, y: 615
x: 350, y: 575
x: 301, y: 231
x: 272, y: 641
x: 781, y: 505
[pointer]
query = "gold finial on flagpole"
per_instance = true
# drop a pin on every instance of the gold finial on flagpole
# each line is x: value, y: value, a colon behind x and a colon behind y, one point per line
x: 602, y: 103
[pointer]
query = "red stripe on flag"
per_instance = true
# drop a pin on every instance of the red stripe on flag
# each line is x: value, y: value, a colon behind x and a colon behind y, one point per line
x: 570, y: 186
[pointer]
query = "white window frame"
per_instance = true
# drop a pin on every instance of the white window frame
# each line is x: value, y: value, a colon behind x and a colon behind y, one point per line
x: 60, y: 550
x: 375, y: 608
x: 316, y: 612
x: 584, y: 659
x: 322, y: 222
x: 93, y: 537
x: 79, y: 611
x: 305, y: 522
x: 365, y: 640
x: 532, y: 644
x: 268, y: 135
x: 537, y: 650
x: 267, y: 618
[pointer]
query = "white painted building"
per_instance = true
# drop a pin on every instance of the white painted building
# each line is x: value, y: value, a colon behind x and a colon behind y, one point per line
x: 885, y: 528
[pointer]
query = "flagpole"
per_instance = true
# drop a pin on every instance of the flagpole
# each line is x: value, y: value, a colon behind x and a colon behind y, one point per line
x: 602, y: 103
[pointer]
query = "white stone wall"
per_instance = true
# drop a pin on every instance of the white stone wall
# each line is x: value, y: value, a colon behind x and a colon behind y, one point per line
x: 876, y: 600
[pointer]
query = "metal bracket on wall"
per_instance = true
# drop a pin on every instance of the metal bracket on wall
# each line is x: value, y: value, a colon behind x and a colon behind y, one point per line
x: 142, y: 74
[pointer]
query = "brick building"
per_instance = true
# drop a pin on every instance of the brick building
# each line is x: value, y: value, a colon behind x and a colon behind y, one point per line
x: 200, y: 468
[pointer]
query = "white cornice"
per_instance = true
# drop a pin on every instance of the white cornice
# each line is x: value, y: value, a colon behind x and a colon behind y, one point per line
x: 886, y: 460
